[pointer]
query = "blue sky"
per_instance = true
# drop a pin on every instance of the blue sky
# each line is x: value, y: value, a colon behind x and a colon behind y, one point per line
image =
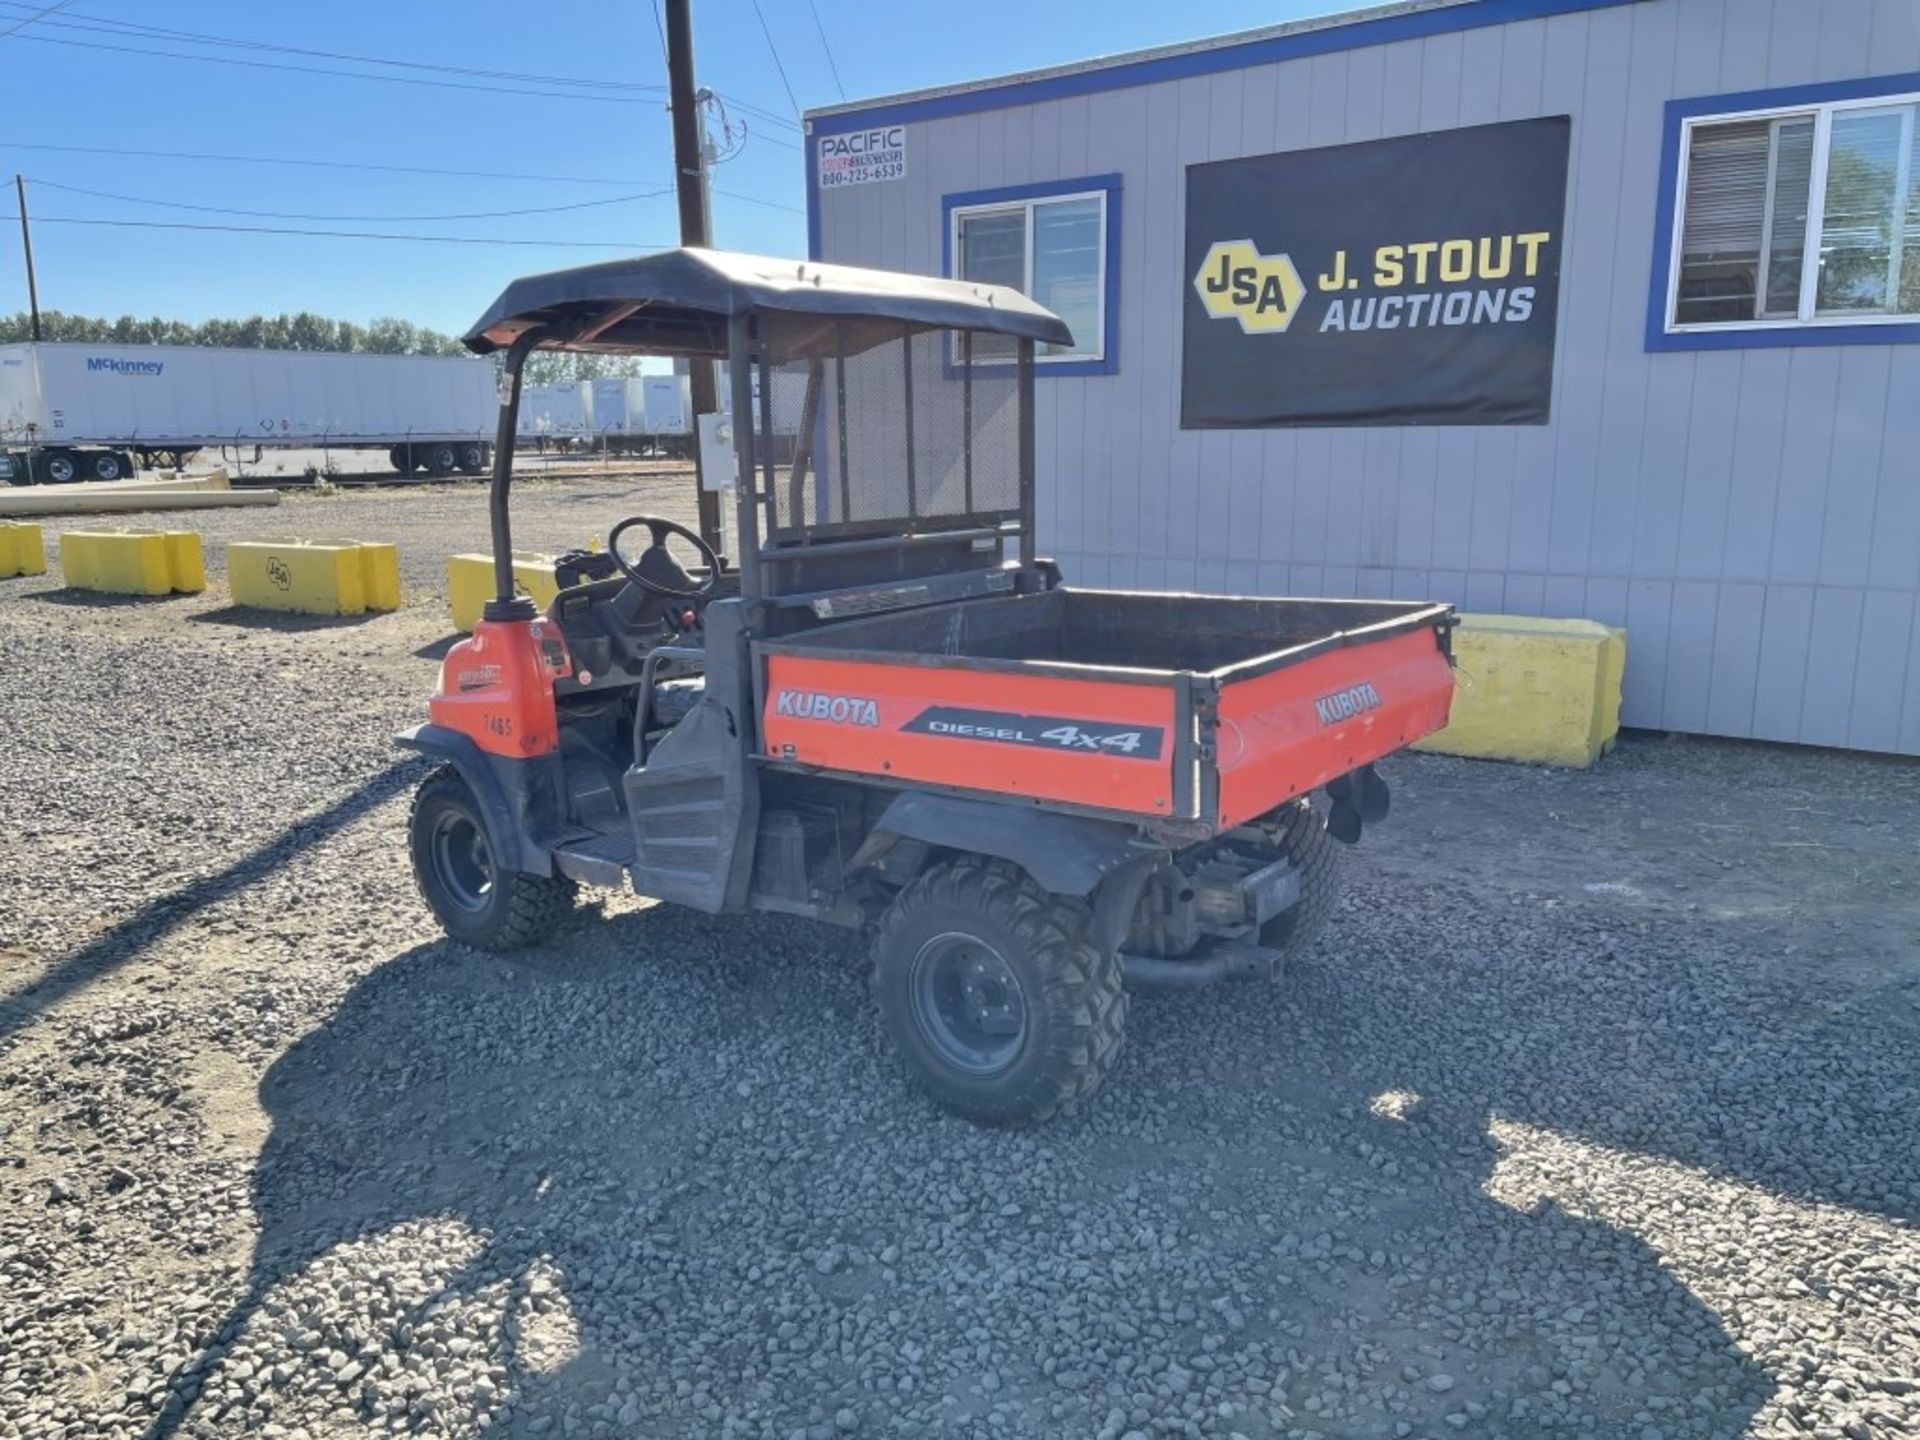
x: 79, y: 78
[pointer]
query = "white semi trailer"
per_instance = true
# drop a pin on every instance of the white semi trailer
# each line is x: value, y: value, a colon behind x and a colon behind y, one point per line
x: 560, y: 413
x: 82, y: 411
x: 648, y: 413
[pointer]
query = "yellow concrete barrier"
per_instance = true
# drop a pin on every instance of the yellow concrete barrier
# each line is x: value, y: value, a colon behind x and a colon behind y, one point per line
x: 347, y: 577
x: 470, y: 583
x: 21, y: 550
x: 1545, y: 691
x: 133, y: 562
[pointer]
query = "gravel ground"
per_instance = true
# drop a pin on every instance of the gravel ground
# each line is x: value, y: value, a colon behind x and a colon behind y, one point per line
x: 1592, y: 1114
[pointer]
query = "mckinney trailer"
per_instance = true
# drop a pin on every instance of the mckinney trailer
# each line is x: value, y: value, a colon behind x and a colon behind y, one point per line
x: 83, y: 411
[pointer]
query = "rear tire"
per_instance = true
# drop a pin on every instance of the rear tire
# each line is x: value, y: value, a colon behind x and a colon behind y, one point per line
x: 401, y: 458
x: 1303, y: 838
x: 473, y: 459
x: 1000, y: 1007
x: 105, y: 465
x: 476, y: 900
x: 442, y: 460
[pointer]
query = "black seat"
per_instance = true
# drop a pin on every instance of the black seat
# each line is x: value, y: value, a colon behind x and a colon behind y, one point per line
x: 673, y: 699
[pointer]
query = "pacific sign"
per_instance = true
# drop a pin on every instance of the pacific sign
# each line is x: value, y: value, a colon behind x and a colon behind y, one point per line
x: 862, y: 157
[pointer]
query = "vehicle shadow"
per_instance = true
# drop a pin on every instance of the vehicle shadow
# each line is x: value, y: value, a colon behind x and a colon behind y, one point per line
x: 166, y: 914
x: 79, y: 597
x: 285, y: 622
x: 662, y: 1119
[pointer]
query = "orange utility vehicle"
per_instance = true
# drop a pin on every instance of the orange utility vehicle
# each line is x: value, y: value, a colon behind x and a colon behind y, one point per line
x: 891, y: 714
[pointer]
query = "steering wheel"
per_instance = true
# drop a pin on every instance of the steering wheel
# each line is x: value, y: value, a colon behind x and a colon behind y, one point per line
x: 660, y: 529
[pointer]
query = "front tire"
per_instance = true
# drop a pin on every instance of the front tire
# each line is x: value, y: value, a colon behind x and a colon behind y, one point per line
x: 1000, y: 1007
x: 1301, y: 835
x: 476, y: 900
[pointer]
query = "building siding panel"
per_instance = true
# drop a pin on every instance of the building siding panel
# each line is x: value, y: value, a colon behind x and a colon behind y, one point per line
x: 1752, y: 516
x: 1785, y: 637
x: 1873, y: 708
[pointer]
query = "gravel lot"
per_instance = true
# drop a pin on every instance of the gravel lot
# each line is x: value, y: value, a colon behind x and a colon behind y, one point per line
x: 1592, y: 1115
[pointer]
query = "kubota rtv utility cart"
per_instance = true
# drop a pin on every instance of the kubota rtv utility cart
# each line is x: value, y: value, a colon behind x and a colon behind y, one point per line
x: 891, y: 714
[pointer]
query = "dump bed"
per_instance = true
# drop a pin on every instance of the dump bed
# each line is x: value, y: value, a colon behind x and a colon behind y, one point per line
x: 1203, y: 709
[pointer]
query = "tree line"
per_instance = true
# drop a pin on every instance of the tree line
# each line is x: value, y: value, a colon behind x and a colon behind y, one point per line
x: 386, y: 335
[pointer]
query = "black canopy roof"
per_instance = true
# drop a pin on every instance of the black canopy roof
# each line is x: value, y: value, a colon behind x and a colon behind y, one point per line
x: 677, y: 302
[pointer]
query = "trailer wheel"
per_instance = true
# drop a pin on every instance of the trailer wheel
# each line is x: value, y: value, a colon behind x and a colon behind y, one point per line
x: 476, y: 900
x: 401, y: 458
x: 442, y: 459
x: 1303, y: 838
x: 56, y: 467
x: 473, y: 459
x: 1001, y: 1008
x: 104, y: 465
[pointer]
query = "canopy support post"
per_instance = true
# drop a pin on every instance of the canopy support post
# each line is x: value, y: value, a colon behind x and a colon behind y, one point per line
x: 746, y: 505
x: 506, y: 604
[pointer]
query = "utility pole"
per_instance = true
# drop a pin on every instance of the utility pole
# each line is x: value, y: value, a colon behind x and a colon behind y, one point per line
x: 690, y: 171
x: 26, y: 244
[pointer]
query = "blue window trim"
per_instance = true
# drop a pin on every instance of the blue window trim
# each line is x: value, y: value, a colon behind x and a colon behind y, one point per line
x: 1354, y: 35
x: 1786, y: 332
x: 1109, y: 185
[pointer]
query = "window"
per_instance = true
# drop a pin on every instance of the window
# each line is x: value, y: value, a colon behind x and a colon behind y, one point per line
x: 1052, y: 242
x: 1806, y: 216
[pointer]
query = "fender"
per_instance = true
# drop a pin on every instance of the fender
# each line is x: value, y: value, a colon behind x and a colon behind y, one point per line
x: 500, y: 785
x: 1065, y: 854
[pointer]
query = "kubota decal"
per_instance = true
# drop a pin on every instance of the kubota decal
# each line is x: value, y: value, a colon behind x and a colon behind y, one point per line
x: 835, y: 709
x: 1051, y: 732
x: 478, y: 677
x: 1345, y: 704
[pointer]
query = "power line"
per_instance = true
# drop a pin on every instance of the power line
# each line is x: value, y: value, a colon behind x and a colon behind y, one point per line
x: 102, y: 25
x: 625, y: 245
x: 121, y: 29
x: 774, y: 50
x: 831, y: 65
x: 378, y: 219
x: 344, y: 74
x: 39, y: 14
x: 288, y: 160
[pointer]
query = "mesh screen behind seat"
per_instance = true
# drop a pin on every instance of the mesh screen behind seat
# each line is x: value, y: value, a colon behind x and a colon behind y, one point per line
x: 915, y: 433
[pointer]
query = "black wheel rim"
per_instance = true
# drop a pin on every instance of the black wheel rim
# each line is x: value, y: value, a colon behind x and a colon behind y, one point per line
x: 462, y: 860
x: 968, y: 1004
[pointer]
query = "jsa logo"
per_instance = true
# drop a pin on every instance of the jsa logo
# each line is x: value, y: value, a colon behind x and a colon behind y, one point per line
x: 1237, y: 282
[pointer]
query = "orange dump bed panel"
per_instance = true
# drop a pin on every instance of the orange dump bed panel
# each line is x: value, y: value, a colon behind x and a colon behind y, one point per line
x: 1291, y: 730
x: 1085, y: 742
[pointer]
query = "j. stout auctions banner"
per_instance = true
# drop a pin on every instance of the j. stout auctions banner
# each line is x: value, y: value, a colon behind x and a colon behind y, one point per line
x: 1395, y: 282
